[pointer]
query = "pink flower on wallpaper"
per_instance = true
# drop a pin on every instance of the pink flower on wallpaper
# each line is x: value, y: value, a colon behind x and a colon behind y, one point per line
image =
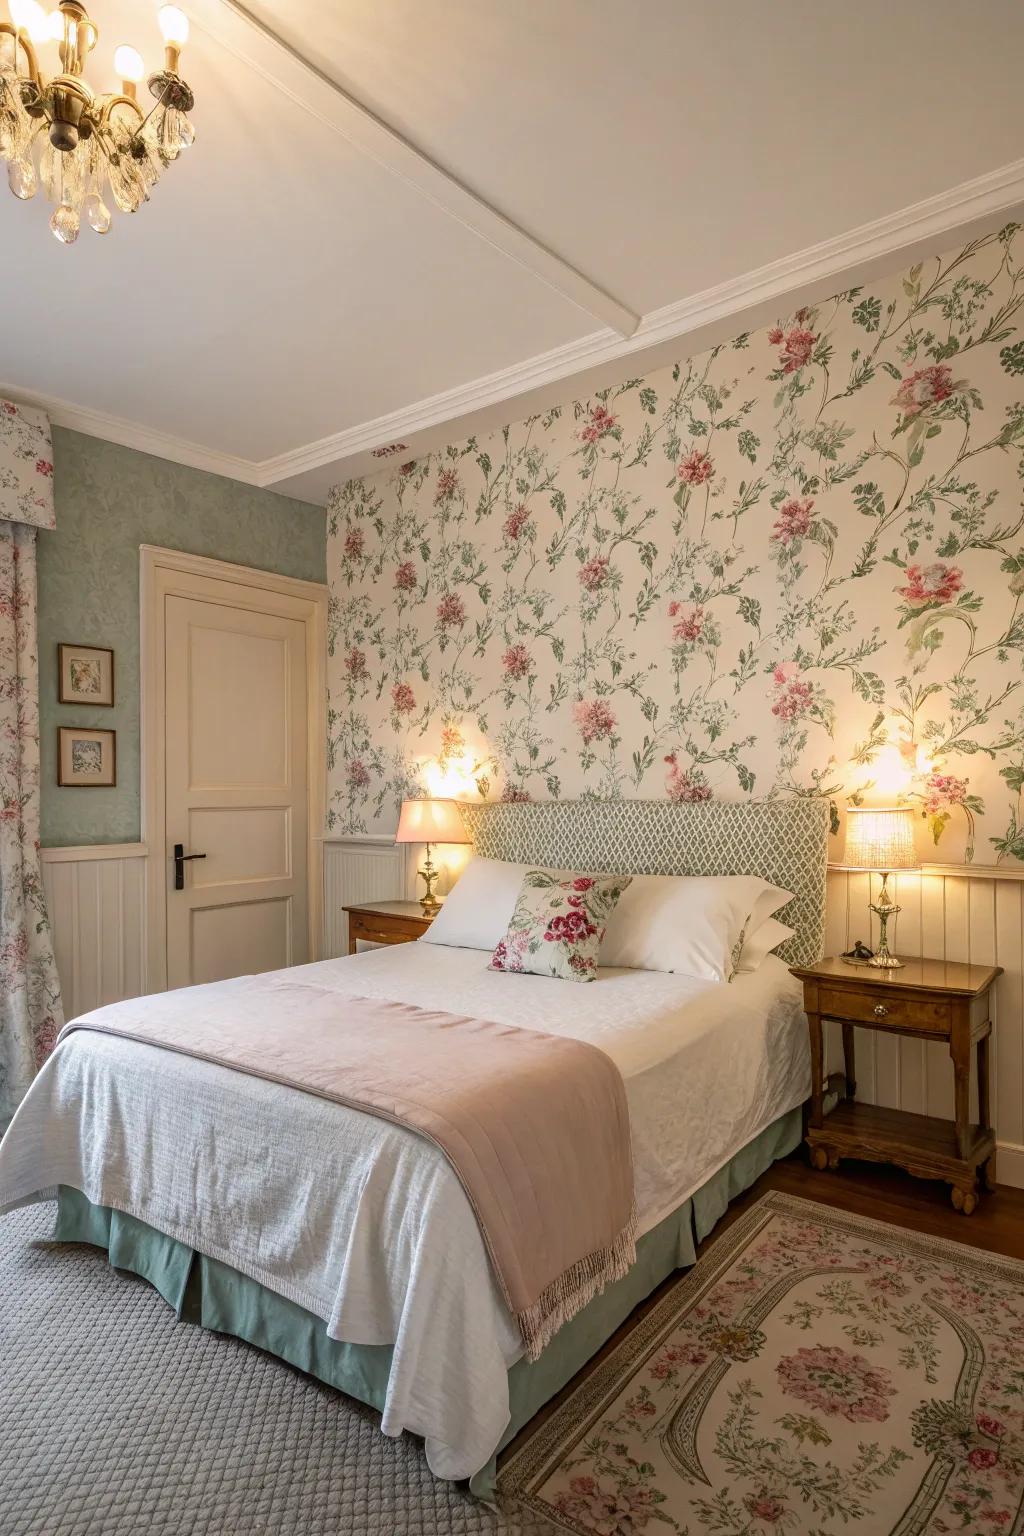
x: 793, y: 521
x: 44, y: 467
x: 447, y: 485
x: 838, y: 1383
x: 515, y: 794
x: 994, y: 1428
x: 405, y: 576
x: 453, y: 743
x: 594, y: 720
x: 516, y: 661
x: 685, y: 786
x: 982, y: 1458
x: 935, y: 583
x: 689, y: 620
x: 355, y: 663
x: 598, y: 424
x: 408, y: 467
x: 358, y: 774
x: 451, y: 610
x: 942, y: 790
x: 797, y: 345
x: 593, y: 574
x: 696, y: 468
x: 517, y: 523
x: 793, y: 696
x: 927, y: 387
x: 353, y: 543
x: 403, y: 698
x: 766, y: 1508
x: 9, y: 409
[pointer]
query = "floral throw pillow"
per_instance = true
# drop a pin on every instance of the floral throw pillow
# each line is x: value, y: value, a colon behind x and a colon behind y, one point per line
x: 558, y: 925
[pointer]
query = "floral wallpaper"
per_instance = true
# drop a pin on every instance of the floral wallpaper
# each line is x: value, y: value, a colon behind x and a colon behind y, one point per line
x: 792, y: 565
x: 26, y: 466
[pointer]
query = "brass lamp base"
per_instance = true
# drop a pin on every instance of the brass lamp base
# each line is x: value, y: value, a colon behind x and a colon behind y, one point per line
x: 883, y: 909
x: 428, y: 874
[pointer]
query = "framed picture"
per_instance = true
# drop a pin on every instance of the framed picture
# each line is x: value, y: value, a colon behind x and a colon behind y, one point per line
x: 86, y: 758
x: 86, y: 675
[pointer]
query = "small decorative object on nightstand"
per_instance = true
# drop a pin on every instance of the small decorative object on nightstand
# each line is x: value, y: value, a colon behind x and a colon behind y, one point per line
x: 430, y: 821
x: 879, y: 838
x: 928, y: 1000
x: 387, y: 922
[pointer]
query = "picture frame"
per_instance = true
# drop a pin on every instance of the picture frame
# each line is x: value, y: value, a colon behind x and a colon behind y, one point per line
x: 86, y: 758
x: 85, y: 675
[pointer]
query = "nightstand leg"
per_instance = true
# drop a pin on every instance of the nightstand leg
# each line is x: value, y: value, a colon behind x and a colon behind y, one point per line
x: 849, y: 1061
x: 817, y: 1068
x: 984, y: 1101
x: 960, y: 1050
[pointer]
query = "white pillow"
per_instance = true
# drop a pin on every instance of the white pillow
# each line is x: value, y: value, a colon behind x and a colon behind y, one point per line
x: 693, y: 924
x: 477, y: 911
x: 760, y: 942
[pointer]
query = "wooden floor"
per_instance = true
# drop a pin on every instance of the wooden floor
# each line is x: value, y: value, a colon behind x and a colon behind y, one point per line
x: 883, y: 1193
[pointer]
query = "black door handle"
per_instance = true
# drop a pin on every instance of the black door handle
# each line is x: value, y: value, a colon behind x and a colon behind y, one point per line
x: 180, y: 858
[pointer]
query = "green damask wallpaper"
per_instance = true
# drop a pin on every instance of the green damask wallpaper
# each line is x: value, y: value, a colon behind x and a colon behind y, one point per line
x: 792, y: 565
x: 109, y: 501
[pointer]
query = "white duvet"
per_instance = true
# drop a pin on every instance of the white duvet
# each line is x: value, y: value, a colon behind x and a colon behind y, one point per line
x: 364, y: 1223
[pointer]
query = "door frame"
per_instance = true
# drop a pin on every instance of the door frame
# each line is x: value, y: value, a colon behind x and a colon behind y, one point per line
x: 167, y: 573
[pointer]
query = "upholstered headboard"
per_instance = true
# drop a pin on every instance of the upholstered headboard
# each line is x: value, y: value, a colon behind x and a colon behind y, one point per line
x: 784, y: 841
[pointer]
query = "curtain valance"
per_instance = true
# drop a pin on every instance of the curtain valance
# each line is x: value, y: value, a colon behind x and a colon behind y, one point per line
x: 26, y: 467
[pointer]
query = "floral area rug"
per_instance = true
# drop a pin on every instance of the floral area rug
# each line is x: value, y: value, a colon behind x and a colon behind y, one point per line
x: 814, y: 1373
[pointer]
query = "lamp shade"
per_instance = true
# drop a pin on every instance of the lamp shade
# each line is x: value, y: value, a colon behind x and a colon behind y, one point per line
x: 880, y: 837
x: 431, y: 821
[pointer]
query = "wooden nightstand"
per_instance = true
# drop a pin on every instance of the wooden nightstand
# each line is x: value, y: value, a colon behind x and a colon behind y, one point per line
x: 387, y: 922
x: 929, y: 1000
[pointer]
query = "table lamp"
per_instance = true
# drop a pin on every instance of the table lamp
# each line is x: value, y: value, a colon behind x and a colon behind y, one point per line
x: 881, y: 838
x: 430, y: 821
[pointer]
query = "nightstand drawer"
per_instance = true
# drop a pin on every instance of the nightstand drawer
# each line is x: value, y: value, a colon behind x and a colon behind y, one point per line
x: 889, y: 1008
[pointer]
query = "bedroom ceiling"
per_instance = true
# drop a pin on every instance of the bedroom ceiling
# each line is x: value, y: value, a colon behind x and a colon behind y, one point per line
x: 293, y: 299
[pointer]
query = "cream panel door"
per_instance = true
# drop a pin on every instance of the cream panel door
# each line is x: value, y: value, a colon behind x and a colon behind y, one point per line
x: 236, y: 754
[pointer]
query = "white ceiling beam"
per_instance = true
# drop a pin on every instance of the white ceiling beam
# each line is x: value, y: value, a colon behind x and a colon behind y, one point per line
x: 234, y: 29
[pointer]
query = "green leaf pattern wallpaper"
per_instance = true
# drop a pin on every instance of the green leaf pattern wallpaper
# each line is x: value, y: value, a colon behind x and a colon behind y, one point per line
x: 792, y: 565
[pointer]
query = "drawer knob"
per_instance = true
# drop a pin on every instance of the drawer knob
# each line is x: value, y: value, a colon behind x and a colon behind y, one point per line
x: 880, y: 1011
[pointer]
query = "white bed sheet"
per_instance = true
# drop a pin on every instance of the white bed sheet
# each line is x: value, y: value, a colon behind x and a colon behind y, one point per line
x: 363, y: 1222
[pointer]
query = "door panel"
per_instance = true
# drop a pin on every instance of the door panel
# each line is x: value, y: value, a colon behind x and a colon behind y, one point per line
x: 236, y: 753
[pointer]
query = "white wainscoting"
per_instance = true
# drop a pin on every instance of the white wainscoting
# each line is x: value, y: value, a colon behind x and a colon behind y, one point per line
x: 358, y: 869
x: 96, y: 898
x: 973, y: 914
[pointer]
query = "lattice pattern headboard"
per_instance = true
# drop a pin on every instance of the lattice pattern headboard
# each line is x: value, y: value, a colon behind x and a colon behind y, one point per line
x: 785, y: 841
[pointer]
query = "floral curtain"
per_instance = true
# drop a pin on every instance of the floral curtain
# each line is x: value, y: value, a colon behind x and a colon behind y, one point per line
x: 30, y: 1006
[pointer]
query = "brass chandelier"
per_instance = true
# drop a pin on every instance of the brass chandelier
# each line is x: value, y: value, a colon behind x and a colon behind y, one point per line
x: 55, y: 131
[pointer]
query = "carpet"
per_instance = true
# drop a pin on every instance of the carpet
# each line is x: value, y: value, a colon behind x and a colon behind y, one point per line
x: 116, y: 1420
x: 814, y: 1373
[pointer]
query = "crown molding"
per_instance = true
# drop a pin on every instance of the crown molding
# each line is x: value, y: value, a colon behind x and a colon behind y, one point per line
x: 747, y: 301
x: 850, y: 257
x: 130, y: 434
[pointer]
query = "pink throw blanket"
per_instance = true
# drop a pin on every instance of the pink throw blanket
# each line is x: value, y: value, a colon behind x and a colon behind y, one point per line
x: 536, y: 1126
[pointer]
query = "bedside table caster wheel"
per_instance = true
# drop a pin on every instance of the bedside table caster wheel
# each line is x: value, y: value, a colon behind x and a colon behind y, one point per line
x: 833, y: 1161
x: 964, y: 1200
x: 821, y: 1158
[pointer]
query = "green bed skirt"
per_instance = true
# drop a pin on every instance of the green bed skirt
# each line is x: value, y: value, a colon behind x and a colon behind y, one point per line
x: 205, y: 1291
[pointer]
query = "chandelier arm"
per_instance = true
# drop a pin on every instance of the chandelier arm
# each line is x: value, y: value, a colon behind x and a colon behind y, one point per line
x: 160, y: 101
x: 21, y: 37
x: 108, y: 105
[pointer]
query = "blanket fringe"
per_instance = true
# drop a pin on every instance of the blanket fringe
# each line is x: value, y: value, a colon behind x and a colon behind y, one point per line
x: 560, y: 1301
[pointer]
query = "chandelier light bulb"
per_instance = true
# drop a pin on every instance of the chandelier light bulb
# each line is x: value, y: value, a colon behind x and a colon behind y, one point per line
x: 29, y: 16
x: 173, y: 26
x: 128, y: 64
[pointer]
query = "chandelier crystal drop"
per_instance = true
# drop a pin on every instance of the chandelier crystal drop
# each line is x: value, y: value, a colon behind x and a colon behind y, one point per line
x: 56, y: 133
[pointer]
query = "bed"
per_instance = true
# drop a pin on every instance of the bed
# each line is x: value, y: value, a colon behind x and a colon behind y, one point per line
x: 343, y: 1242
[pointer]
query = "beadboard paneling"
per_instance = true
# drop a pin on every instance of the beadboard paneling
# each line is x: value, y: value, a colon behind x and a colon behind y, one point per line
x: 96, y: 898
x: 976, y: 916
x: 355, y: 870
